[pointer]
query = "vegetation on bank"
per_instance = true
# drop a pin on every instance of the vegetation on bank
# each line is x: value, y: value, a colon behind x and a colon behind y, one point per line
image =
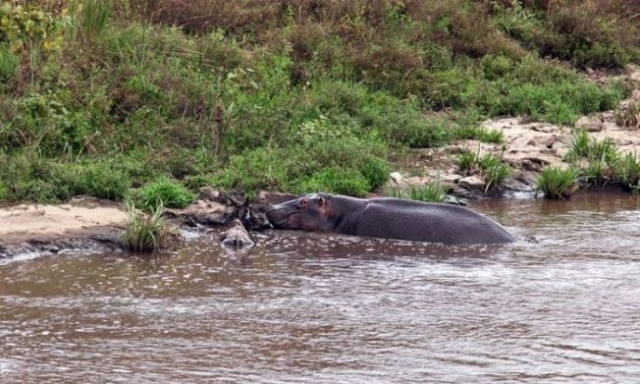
x: 146, y: 233
x: 149, y: 98
x: 592, y: 162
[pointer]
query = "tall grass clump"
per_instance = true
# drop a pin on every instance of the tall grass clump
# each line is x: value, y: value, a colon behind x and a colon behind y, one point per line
x: 592, y: 149
x: 629, y: 116
x: 627, y: 170
x: 494, y: 171
x: 146, y: 232
x: 556, y: 183
x: 94, y: 16
x: 432, y: 192
x: 600, y: 155
x: 495, y: 175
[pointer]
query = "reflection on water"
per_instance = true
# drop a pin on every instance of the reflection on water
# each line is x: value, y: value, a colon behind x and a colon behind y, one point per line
x: 329, y: 309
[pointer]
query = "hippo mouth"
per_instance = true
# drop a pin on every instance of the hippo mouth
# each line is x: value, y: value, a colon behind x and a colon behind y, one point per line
x: 278, y: 218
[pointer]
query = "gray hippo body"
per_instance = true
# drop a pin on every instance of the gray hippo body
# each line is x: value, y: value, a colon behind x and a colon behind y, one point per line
x: 389, y: 219
x: 236, y: 236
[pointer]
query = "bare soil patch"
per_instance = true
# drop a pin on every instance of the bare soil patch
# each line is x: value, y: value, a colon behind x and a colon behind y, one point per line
x: 83, y: 222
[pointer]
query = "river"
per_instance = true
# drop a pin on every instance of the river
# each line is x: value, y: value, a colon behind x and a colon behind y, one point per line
x: 311, y: 308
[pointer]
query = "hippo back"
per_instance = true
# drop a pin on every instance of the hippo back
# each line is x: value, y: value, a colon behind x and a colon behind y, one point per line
x: 429, y: 222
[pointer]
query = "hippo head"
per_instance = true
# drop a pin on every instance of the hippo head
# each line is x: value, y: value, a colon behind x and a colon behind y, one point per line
x: 308, y: 213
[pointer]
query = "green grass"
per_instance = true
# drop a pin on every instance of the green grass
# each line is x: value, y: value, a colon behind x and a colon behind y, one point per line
x: 467, y: 162
x: 494, y: 171
x: 146, y: 233
x: 601, y: 157
x: 627, y: 170
x: 163, y: 192
x: 629, y: 116
x: 104, y: 97
x: 495, y: 175
x: 592, y: 149
x: 555, y: 183
x: 432, y: 192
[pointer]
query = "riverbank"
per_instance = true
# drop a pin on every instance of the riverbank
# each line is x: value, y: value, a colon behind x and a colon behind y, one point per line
x: 527, y: 148
x: 82, y: 223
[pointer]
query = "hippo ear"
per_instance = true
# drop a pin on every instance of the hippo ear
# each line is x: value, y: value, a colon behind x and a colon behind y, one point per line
x: 322, y: 201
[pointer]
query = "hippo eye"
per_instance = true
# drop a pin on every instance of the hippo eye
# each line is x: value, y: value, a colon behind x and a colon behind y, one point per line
x: 304, y: 202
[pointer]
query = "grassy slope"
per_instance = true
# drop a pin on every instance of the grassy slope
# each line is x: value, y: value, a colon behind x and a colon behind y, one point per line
x: 103, y: 97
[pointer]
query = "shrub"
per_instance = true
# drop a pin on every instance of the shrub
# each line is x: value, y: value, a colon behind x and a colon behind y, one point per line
x: 336, y: 180
x: 99, y: 179
x: 556, y: 183
x: 593, y: 35
x: 165, y: 192
x: 375, y: 170
x: 597, y: 173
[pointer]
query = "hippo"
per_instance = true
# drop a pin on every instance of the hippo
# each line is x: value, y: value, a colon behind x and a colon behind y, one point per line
x: 388, y: 218
x: 236, y: 236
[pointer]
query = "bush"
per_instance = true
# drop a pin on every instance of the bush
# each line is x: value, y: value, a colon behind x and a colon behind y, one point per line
x: 596, y: 35
x: 559, y: 103
x: 336, y: 180
x: 99, y: 179
x: 165, y: 192
x: 491, y: 167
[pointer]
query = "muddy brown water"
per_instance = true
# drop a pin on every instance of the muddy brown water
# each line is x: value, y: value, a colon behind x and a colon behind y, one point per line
x: 307, y: 308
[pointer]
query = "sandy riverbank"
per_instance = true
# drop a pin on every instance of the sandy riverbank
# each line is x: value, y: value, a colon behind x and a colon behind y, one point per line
x: 82, y: 223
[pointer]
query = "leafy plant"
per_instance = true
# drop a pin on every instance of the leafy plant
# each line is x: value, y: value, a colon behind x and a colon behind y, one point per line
x: 580, y: 145
x: 492, y: 168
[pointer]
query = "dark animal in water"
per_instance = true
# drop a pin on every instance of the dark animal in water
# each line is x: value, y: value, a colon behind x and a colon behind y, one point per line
x: 388, y: 218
